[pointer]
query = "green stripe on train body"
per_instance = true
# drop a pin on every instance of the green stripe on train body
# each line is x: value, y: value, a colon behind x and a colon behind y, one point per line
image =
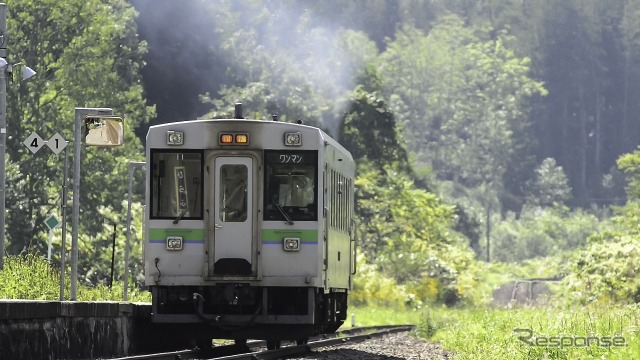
x: 306, y: 236
x: 187, y: 234
x: 268, y: 235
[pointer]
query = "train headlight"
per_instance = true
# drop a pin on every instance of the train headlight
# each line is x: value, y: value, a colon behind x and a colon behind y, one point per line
x: 291, y: 244
x: 293, y: 139
x: 174, y: 243
x: 175, y: 138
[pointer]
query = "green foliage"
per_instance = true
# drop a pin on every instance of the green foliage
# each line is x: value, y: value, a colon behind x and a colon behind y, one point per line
x: 370, y: 132
x: 606, y: 270
x: 372, y: 288
x: 489, y: 333
x: 390, y: 314
x: 630, y: 164
x: 97, y: 249
x: 65, y: 43
x: 540, y: 232
x: 30, y: 276
x: 550, y: 185
x: 459, y: 98
x: 406, y: 233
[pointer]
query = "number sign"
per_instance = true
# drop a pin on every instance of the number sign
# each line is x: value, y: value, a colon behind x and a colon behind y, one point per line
x: 34, y: 142
x: 57, y: 143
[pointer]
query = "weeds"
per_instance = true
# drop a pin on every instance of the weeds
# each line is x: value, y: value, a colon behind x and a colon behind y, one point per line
x: 31, y: 276
x: 535, y: 333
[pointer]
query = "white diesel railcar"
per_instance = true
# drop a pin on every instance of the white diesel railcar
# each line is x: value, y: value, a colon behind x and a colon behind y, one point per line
x: 249, y: 229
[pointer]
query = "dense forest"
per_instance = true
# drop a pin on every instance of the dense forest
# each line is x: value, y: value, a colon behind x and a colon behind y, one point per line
x: 492, y: 130
x: 534, y: 79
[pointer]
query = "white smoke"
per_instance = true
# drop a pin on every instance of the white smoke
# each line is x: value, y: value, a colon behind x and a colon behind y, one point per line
x: 285, y: 40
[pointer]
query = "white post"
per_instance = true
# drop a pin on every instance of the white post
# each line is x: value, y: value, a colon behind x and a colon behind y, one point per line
x: 132, y: 164
x: 63, y: 246
x: 50, y: 242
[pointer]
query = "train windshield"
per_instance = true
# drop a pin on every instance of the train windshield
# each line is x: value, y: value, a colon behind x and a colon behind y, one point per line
x: 291, y: 185
x: 176, y: 185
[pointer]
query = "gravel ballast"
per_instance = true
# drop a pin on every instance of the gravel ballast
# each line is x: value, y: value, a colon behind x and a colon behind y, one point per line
x: 395, y: 346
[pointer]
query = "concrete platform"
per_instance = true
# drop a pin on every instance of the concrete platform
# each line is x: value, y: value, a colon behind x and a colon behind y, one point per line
x: 71, y: 330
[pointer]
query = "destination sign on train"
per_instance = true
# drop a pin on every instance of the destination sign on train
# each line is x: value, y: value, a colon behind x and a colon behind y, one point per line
x: 291, y: 157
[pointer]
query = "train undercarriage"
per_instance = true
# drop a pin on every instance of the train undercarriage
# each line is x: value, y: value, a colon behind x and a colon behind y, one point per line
x: 239, y: 311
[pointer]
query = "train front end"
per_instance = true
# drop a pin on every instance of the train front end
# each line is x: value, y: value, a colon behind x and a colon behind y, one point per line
x: 238, y: 243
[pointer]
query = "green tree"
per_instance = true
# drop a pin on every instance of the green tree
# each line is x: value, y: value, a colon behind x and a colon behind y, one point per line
x: 606, y: 269
x: 550, y: 185
x: 630, y: 164
x: 65, y: 43
x: 406, y: 232
x: 370, y: 132
x: 542, y: 232
x: 460, y: 99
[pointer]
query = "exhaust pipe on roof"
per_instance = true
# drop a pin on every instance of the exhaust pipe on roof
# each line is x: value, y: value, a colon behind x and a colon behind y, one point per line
x: 238, y: 111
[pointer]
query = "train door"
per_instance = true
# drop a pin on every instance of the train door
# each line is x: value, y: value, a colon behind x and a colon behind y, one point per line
x: 232, y: 216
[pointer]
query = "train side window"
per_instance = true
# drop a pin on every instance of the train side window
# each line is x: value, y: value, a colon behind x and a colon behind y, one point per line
x: 291, y: 184
x: 176, y: 185
x: 342, y: 201
x: 233, y: 193
x: 332, y: 206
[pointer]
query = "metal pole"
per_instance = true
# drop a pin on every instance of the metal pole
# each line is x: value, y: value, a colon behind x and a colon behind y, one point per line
x: 488, y: 234
x: 63, y: 252
x: 3, y: 124
x: 132, y: 164
x: 113, y: 255
x: 80, y: 113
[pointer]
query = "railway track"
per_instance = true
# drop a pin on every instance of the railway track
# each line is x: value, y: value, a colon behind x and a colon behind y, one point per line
x: 257, y: 349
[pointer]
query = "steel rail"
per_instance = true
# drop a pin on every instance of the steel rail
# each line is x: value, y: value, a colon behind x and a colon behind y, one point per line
x: 342, y: 337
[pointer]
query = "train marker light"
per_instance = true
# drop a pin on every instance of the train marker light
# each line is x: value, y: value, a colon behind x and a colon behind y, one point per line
x: 291, y: 244
x: 234, y: 139
x: 242, y: 138
x: 292, y: 139
x: 174, y: 243
x: 175, y: 137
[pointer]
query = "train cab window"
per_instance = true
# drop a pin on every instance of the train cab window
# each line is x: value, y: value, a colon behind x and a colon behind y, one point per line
x: 291, y: 184
x: 176, y: 185
x: 233, y: 193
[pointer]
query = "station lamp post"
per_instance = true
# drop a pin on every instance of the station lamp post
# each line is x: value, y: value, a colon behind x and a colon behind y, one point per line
x: 5, y: 69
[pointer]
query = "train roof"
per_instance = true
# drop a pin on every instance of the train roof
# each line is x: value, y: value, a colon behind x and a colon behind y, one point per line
x: 188, y: 124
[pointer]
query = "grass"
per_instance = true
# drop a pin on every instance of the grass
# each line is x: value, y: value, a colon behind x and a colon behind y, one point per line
x: 551, y: 333
x: 31, y: 277
x: 488, y: 333
x: 470, y: 333
x: 395, y: 315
